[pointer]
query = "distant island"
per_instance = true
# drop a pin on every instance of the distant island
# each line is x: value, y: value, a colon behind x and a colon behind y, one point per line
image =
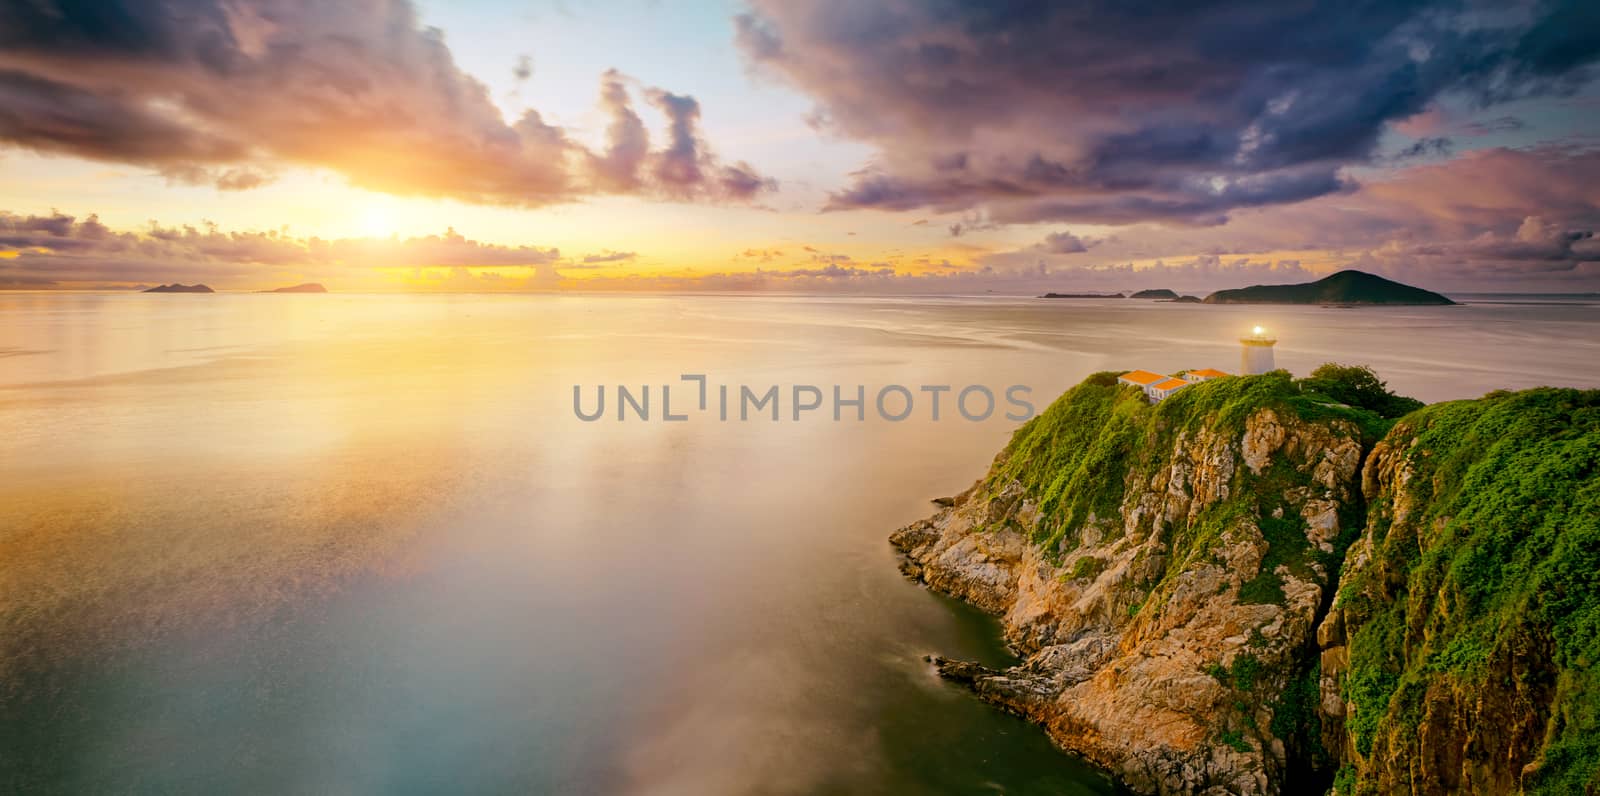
x: 1186, y: 300
x: 1344, y: 287
x: 1157, y: 293
x: 308, y: 287
x: 1083, y: 295
x: 177, y: 288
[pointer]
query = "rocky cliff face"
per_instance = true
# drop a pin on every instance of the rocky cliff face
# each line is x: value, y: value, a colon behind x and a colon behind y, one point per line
x: 1459, y: 656
x: 1162, y: 570
x: 1166, y: 572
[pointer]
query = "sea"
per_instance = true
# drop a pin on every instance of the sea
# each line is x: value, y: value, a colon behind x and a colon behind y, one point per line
x: 268, y: 543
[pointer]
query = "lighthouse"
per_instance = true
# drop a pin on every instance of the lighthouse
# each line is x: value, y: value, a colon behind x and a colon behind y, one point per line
x: 1256, y: 356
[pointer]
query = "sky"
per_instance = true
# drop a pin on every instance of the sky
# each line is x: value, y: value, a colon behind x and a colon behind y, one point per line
x: 855, y: 146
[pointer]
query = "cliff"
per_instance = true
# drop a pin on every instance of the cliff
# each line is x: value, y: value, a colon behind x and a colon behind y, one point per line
x: 1460, y: 653
x: 1162, y: 569
x: 1164, y: 572
x: 1344, y: 287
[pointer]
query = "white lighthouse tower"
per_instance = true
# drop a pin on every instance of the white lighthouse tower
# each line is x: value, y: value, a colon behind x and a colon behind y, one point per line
x: 1256, y: 356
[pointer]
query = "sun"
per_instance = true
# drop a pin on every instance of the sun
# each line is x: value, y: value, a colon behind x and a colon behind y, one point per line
x: 375, y: 223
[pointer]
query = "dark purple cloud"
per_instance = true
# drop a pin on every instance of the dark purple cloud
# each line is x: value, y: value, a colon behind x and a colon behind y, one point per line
x: 1492, y: 219
x: 1499, y: 124
x: 1117, y: 112
x: 1064, y: 243
x: 226, y: 89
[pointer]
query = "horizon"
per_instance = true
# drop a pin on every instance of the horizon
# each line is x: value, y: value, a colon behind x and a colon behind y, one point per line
x: 1107, y: 293
x: 762, y: 147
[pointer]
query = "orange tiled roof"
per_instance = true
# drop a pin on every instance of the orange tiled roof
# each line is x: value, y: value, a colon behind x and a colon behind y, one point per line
x: 1143, y: 378
x: 1209, y: 373
x: 1170, y: 384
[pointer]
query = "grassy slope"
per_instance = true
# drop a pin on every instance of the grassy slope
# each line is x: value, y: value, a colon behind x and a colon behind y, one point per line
x: 1508, y: 487
x: 1512, y: 481
x: 1076, y: 459
x: 1076, y: 456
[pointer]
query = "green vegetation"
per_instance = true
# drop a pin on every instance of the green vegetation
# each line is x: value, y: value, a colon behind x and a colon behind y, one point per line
x: 1286, y: 546
x: 1087, y: 568
x: 1241, y: 676
x: 1344, y: 287
x: 1488, y: 583
x: 1076, y: 457
x: 1502, y: 593
x: 1360, y: 387
x: 1344, y: 782
x: 1297, y: 716
x: 1235, y: 739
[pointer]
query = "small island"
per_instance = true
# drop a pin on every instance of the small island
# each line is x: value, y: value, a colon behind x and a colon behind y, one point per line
x: 1083, y: 295
x: 1186, y: 300
x: 1156, y: 293
x: 307, y: 287
x: 177, y: 288
x: 1345, y: 287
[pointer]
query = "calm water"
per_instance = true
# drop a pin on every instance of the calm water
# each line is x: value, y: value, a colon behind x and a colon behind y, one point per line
x: 270, y: 543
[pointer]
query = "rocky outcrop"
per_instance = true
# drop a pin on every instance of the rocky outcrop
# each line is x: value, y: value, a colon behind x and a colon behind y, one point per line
x: 1163, y: 621
x: 1223, y: 593
x: 1459, y: 655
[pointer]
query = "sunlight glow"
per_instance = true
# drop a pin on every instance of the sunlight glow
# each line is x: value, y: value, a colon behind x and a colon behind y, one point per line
x: 375, y: 223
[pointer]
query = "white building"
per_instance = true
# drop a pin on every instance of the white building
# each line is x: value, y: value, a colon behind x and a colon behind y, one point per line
x: 1156, y: 386
x: 1203, y: 374
x: 1165, y: 388
x: 1143, y: 379
x: 1256, y: 356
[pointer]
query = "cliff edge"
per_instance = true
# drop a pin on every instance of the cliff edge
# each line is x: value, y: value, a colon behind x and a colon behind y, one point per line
x: 1162, y: 569
x: 1164, y: 572
x: 1460, y: 654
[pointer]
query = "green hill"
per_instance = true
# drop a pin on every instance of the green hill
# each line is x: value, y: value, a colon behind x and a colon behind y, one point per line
x: 1270, y: 585
x: 1344, y: 287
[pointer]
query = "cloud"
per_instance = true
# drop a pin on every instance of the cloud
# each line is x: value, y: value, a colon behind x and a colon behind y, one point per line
x: 972, y: 222
x: 831, y: 271
x: 61, y: 250
x: 1500, y: 219
x: 627, y: 141
x: 1119, y: 113
x: 1435, y: 146
x: 1064, y: 243
x: 1499, y: 124
x: 226, y: 91
x: 759, y: 255
x: 1488, y: 219
x: 609, y: 257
